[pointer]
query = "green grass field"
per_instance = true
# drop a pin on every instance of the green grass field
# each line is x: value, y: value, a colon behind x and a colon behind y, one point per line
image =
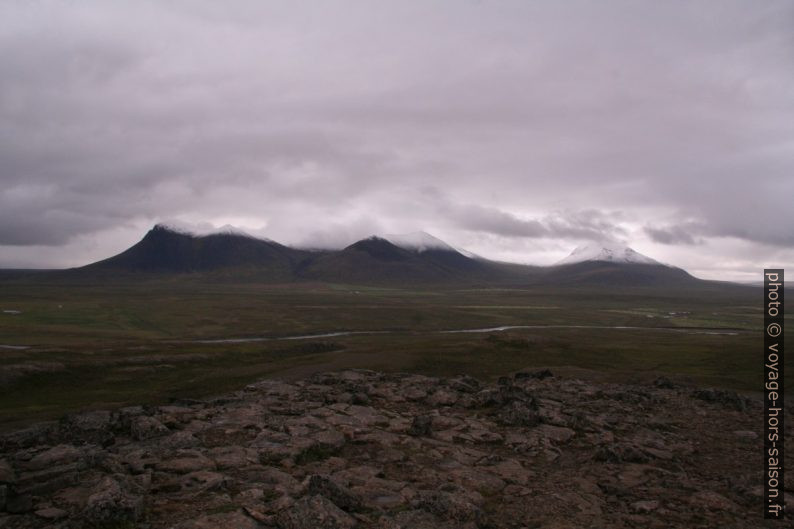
x: 105, y: 345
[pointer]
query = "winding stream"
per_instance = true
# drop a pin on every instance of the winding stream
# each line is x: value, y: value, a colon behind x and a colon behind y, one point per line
x: 687, y: 330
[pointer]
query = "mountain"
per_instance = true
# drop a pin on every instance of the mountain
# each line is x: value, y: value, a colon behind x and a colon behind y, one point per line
x: 418, y: 241
x: 618, y: 274
x: 166, y: 249
x: 413, y: 260
x: 611, y: 253
x: 615, y: 265
x: 417, y: 258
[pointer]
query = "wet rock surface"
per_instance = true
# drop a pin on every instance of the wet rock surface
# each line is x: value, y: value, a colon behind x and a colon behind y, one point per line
x: 360, y: 449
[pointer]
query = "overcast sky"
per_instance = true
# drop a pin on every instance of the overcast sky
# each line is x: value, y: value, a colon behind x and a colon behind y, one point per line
x: 517, y: 130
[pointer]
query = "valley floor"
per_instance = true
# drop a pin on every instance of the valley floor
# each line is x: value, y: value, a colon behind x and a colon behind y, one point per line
x: 71, y: 346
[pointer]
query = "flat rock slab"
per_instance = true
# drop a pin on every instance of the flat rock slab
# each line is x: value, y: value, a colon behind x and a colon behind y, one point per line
x: 361, y: 449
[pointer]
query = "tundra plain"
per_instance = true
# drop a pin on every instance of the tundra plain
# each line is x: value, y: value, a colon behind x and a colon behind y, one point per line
x: 72, y: 345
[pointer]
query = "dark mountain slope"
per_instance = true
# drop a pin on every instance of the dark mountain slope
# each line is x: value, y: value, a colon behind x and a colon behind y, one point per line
x: 376, y: 260
x: 614, y: 274
x: 164, y: 250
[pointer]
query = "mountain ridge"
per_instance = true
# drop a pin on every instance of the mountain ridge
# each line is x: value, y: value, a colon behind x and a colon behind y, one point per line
x: 415, y: 258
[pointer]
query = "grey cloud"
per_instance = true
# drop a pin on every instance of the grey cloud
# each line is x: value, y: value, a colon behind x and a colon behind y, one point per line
x: 775, y: 232
x: 536, y: 120
x: 588, y: 224
x: 492, y: 220
x: 674, y: 234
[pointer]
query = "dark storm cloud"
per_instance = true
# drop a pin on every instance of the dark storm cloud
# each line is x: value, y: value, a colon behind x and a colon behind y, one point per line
x: 663, y: 124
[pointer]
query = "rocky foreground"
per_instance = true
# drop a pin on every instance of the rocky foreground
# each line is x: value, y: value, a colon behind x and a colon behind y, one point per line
x: 364, y: 449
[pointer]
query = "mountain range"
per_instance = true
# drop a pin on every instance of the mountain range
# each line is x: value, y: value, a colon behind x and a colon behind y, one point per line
x: 410, y: 259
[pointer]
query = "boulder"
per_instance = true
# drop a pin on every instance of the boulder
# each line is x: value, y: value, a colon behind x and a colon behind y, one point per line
x: 109, y: 503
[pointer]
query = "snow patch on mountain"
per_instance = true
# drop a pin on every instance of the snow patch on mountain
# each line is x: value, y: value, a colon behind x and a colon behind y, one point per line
x: 613, y: 253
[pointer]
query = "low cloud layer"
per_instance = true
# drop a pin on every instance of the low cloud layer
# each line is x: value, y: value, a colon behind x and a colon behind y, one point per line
x: 516, y: 129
